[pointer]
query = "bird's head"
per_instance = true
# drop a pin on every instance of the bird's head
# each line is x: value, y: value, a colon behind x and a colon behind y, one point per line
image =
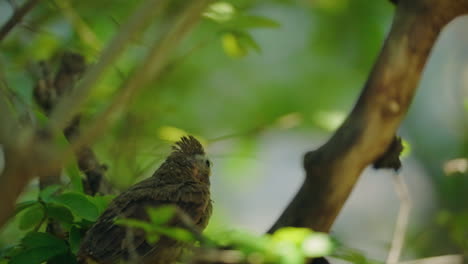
x: 189, y: 156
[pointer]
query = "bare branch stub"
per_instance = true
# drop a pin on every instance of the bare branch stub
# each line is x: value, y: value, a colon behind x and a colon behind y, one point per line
x: 333, y: 169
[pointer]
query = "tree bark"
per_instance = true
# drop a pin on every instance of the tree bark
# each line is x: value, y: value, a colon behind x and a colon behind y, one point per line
x: 333, y: 169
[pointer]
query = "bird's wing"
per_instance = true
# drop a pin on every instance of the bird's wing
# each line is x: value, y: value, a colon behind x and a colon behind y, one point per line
x: 107, y: 240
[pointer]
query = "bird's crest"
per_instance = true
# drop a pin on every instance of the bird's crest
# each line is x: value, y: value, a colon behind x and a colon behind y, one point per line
x: 189, y: 146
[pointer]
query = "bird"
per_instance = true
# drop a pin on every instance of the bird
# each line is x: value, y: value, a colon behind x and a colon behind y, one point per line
x: 182, y: 180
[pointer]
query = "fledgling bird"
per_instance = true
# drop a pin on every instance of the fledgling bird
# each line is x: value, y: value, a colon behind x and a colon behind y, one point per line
x: 182, y: 180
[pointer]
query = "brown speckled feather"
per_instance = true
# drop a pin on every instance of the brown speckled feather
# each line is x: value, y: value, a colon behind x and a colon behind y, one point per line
x: 182, y: 180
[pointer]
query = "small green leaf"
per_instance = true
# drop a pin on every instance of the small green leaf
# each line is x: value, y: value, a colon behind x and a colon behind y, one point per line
x: 237, y: 44
x: 288, y: 253
x: 41, y: 118
x: 247, y: 40
x: 176, y: 233
x: 232, y: 45
x: 40, y: 239
x: 31, y: 217
x: 39, y: 247
x: 24, y: 205
x: 47, y: 193
x: 406, y: 149
x: 67, y: 258
x: 60, y: 213
x: 74, y: 238
x: 74, y: 174
x: 220, y: 12
x: 79, y: 204
x: 152, y: 237
x: 246, y: 22
x: 317, y: 244
x: 9, y: 251
x: 244, y: 241
x: 161, y: 215
x: 36, y: 255
x: 102, y: 202
x: 292, y: 234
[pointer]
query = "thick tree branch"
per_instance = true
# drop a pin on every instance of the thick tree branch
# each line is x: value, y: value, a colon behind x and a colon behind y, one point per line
x: 333, y: 169
x: 16, y: 18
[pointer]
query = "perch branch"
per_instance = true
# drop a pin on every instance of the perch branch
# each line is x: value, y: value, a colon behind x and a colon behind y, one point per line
x: 16, y: 18
x: 333, y: 169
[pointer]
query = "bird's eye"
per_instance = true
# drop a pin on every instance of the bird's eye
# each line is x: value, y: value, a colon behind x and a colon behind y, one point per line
x: 208, y: 163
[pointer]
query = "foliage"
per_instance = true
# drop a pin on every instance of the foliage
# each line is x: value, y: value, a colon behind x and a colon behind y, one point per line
x: 286, y: 246
x: 250, y: 68
x: 72, y: 211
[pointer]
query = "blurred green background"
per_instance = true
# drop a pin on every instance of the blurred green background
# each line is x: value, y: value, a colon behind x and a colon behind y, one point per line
x: 259, y: 96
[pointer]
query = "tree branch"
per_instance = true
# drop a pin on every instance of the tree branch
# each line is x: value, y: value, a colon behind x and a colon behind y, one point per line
x: 47, y: 93
x: 16, y: 18
x: 333, y: 169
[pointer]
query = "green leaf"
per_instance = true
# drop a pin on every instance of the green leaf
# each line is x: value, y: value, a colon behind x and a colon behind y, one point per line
x: 9, y: 251
x: 47, y: 193
x: 244, y: 241
x: 237, y: 44
x: 74, y: 174
x: 220, y: 12
x: 60, y: 213
x: 31, y: 217
x: 24, y: 205
x: 152, y: 237
x: 40, y: 239
x: 39, y: 247
x: 102, y: 202
x: 176, y: 233
x: 246, y: 22
x: 317, y: 244
x: 232, y: 45
x: 67, y: 258
x: 292, y: 234
x: 74, y: 238
x: 36, y: 255
x: 161, y: 215
x: 41, y: 118
x: 79, y: 204
x: 288, y: 253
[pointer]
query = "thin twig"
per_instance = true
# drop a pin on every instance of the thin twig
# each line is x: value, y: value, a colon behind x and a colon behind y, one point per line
x: 149, y: 70
x: 16, y: 18
x: 68, y: 107
x: 85, y: 33
x: 401, y: 225
x: 447, y: 259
